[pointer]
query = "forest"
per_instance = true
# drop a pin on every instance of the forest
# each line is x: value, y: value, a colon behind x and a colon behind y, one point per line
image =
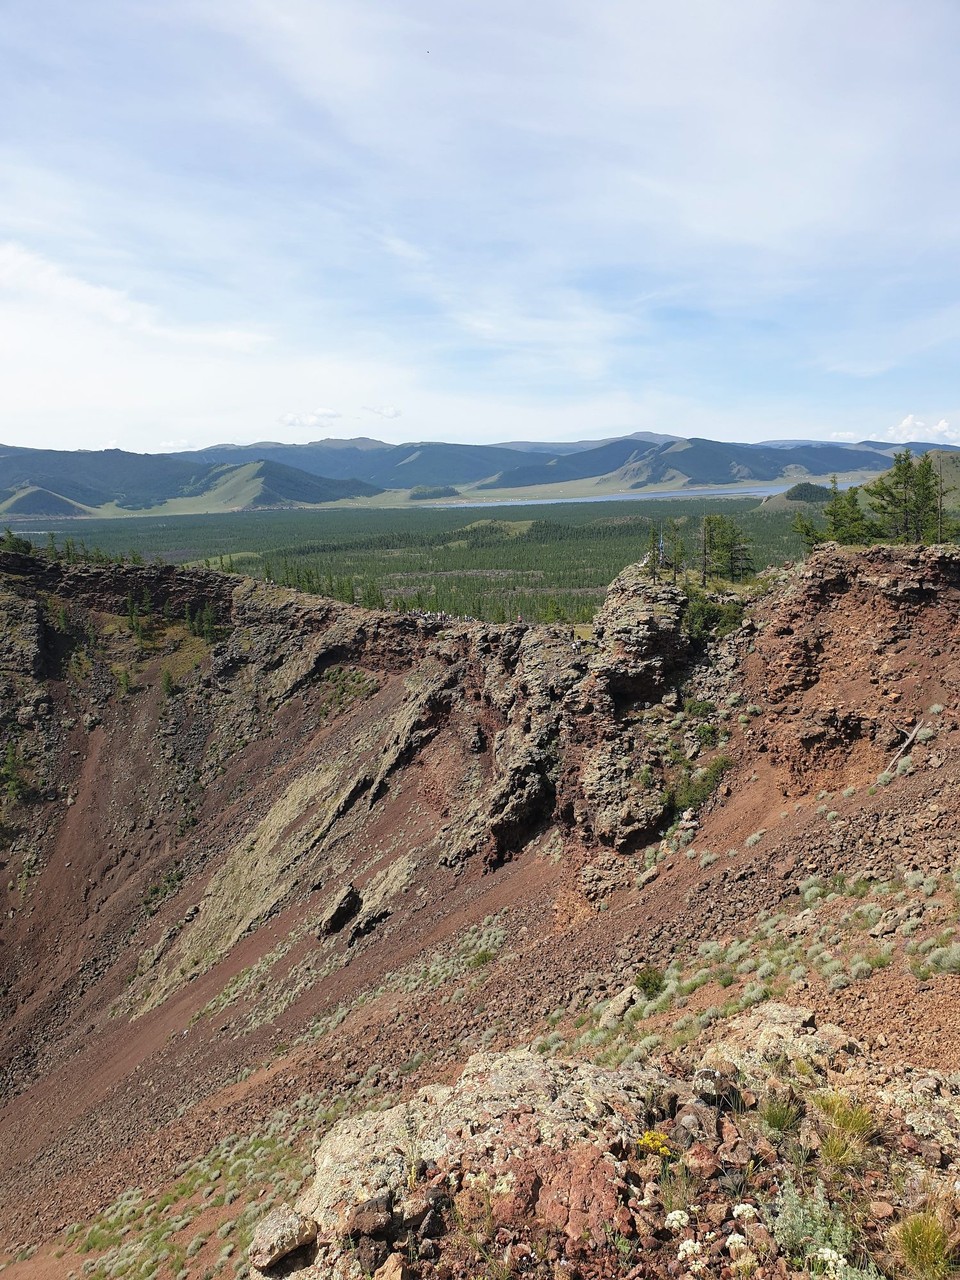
x: 541, y: 562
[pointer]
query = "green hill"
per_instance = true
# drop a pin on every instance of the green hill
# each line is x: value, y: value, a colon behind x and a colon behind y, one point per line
x: 49, y: 482
x: 33, y: 501
x: 271, y: 484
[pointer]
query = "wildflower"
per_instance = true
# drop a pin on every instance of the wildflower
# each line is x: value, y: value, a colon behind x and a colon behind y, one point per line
x: 736, y: 1243
x: 654, y: 1143
x: 689, y: 1249
x: 834, y: 1263
x: 744, y: 1212
x: 676, y: 1220
x: 745, y: 1263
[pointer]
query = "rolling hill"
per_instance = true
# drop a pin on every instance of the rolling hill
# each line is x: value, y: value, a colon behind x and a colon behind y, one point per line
x: 229, y: 477
x: 48, y: 482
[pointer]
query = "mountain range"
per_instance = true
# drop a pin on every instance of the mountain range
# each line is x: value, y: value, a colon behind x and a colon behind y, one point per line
x: 268, y: 474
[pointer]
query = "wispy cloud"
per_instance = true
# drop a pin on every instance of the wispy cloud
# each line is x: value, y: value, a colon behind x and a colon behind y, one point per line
x: 558, y: 219
x: 29, y: 277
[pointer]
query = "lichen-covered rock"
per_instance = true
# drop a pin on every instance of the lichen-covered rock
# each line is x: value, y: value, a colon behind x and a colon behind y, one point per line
x: 281, y: 1232
x: 545, y: 1139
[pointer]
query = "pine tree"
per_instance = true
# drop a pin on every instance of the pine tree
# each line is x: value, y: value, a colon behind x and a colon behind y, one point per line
x: 926, y: 500
x: 809, y: 534
x: 675, y: 548
x: 891, y: 498
x: 725, y: 550
x: 847, y: 522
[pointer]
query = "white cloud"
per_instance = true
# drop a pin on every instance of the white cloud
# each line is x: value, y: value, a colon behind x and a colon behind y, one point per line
x: 318, y: 418
x: 912, y: 428
x: 384, y: 410
x: 31, y: 278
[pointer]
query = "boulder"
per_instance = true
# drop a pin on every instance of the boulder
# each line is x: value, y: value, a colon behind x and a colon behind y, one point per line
x: 281, y: 1232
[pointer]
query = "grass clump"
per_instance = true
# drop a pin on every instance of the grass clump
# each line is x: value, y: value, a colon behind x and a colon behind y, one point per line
x: 847, y: 1117
x: 781, y: 1116
x: 921, y: 1245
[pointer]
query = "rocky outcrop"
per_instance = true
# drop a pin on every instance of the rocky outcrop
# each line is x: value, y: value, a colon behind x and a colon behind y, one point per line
x: 531, y: 1163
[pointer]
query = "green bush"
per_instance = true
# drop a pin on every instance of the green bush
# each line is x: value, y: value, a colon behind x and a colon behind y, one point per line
x: 696, y: 788
x: 650, y: 981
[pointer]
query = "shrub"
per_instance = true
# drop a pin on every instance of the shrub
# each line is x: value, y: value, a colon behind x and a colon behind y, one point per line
x: 813, y: 1232
x: 754, y: 839
x: 649, y: 981
x: 695, y: 789
x: 705, y: 616
x: 945, y: 959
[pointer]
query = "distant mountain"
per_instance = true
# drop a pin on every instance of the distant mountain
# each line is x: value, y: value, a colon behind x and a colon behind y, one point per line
x: 230, y: 477
x: 576, y: 446
x: 49, y: 482
x: 880, y: 446
x: 32, y: 501
x: 915, y: 446
x: 390, y: 466
x: 689, y: 462
x: 271, y: 484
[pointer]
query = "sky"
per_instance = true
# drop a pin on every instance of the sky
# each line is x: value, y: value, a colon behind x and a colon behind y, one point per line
x: 242, y: 220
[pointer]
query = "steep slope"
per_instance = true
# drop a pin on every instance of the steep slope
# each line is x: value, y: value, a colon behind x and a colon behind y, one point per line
x: 29, y: 500
x: 332, y: 853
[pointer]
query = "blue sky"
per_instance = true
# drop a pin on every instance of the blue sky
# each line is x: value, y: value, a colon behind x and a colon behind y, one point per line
x: 410, y: 219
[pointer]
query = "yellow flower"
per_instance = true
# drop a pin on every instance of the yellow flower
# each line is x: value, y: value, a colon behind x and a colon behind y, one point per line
x: 654, y: 1143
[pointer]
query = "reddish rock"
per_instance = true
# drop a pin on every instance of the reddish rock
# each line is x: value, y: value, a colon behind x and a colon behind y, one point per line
x: 701, y: 1160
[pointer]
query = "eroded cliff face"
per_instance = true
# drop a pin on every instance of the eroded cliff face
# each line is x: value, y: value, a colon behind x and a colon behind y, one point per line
x: 311, y: 746
x: 260, y: 846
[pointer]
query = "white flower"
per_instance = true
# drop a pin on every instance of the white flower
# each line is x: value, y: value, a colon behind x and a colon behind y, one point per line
x: 689, y: 1249
x: 744, y: 1212
x: 745, y: 1262
x: 676, y: 1220
x: 696, y: 1266
x: 834, y: 1262
x: 735, y: 1243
